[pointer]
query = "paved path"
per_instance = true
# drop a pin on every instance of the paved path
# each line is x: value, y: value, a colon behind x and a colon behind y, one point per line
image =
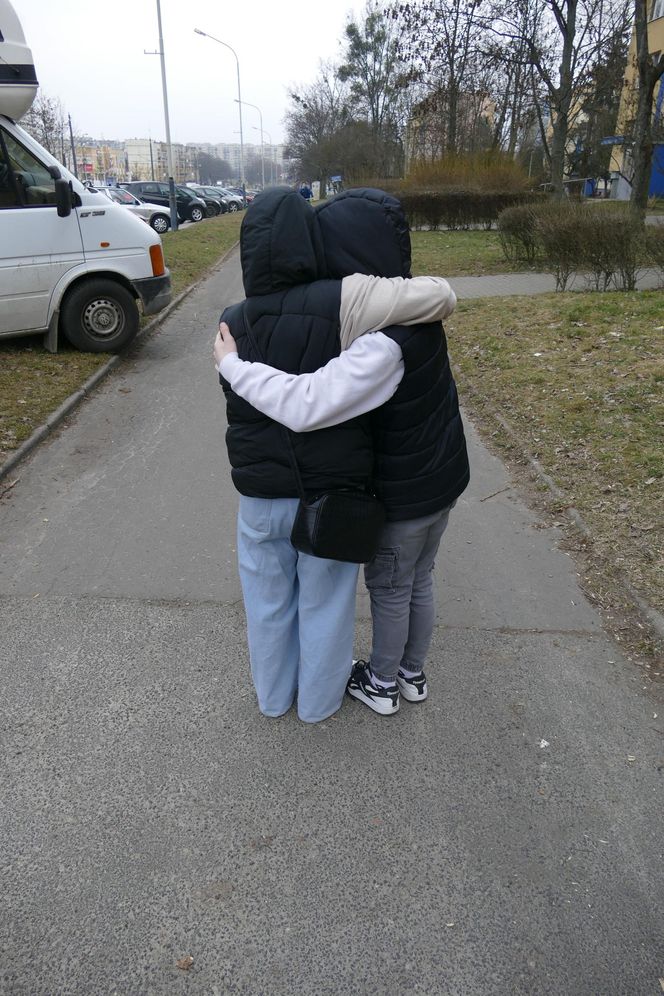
x: 505, y: 837
x: 503, y: 284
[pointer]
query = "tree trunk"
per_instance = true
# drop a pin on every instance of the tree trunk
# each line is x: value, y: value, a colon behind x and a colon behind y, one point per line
x: 558, y: 143
x: 562, y: 94
x: 647, y: 75
x: 452, y: 118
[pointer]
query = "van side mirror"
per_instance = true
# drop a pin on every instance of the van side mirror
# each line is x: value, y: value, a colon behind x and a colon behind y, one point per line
x: 63, y: 198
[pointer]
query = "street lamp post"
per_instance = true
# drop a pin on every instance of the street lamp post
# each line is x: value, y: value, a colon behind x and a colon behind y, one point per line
x: 239, y: 100
x: 270, y: 140
x: 169, y: 151
x: 261, y: 131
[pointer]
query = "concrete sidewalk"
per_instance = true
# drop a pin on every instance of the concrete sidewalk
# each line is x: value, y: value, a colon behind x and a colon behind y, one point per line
x: 505, y: 284
x: 504, y: 837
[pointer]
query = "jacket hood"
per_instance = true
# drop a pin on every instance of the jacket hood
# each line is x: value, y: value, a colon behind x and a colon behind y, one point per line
x: 364, y: 231
x: 280, y: 243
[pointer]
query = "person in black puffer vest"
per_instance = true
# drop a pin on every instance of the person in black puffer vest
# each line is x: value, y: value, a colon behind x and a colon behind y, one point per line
x: 300, y: 609
x: 421, y: 462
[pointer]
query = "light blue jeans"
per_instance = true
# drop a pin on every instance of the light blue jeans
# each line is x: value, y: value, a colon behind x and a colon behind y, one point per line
x: 300, y: 614
x: 400, y: 583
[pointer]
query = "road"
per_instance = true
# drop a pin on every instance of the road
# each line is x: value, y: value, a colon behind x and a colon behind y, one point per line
x: 505, y: 837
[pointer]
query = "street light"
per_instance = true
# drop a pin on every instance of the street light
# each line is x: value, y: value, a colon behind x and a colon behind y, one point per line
x: 171, y: 179
x: 271, y: 161
x: 239, y: 100
x: 261, y: 131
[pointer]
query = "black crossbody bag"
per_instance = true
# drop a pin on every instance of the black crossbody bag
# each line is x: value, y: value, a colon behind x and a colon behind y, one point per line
x: 336, y: 525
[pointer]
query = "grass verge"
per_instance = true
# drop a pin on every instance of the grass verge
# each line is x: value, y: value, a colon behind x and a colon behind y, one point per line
x: 33, y: 382
x: 579, y: 378
x: 460, y: 254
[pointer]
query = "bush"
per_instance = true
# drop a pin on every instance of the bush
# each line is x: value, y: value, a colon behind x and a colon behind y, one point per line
x: 612, y: 247
x: 607, y: 243
x: 477, y: 171
x: 655, y: 247
x: 455, y: 208
x: 517, y: 231
x: 560, y: 235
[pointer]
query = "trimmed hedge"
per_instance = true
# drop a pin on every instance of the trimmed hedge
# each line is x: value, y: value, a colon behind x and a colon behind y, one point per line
x: 456, y: 208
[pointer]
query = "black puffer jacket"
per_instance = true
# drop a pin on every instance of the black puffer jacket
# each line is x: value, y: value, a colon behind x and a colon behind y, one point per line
x: 421, y: 461
x: 294, y: 318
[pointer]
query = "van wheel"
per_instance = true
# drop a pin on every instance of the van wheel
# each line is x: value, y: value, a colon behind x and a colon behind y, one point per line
x: 99, y: 316
x: 160, y: 222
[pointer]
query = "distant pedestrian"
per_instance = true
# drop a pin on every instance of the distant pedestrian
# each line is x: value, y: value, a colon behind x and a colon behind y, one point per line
x: 306, y: 192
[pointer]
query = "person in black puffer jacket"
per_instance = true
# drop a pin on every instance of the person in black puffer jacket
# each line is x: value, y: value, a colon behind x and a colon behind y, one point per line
x: 300, y: 609
x: 421, y: 463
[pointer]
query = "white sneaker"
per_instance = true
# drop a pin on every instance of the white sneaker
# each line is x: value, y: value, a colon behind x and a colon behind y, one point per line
x: 413, y: 689
x: 384, y: 701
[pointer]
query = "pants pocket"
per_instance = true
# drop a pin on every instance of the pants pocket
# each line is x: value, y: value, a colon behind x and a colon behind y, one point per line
x: 381, y: 570
x: 255, y: 513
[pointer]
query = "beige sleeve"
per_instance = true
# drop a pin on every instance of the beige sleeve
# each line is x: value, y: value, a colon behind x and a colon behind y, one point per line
x: 372, y: 303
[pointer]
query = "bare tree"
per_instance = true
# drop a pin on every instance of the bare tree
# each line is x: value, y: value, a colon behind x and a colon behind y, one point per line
x: 317, y: 112
x: 45, y: 120
x: 441, y: 42
x: 376, y: 78
x: 563, y: 40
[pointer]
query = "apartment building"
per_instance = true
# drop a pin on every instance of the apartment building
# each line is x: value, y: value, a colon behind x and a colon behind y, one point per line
x: 621, y: 158
x: 147, y: 159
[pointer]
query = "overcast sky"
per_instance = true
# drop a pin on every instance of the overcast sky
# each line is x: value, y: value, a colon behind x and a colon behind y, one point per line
x: 90, y: 55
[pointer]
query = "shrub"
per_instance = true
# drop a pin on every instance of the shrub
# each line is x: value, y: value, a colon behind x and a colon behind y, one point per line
x: 655, y: 247
x: 612, y: 247
x: 607, y: 244
x: 477, y: 171
x: 560, y: 235
x: 454, y: 208
x: 517, y: 231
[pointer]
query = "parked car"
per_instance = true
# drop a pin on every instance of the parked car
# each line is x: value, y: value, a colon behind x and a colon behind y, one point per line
x: 212, y: 203
x: 71, y: 263
x: 213, y: 193
x: 233, y: 200
x: 249, y: 194
x: 153, y: 214
x: 189, y: 206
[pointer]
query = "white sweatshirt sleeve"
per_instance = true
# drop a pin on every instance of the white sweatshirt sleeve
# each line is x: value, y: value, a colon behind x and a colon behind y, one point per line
x: 372, y: 303
x: 363, y: 377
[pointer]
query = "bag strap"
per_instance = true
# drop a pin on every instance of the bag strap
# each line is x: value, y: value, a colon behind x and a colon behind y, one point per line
x: 286, y: 432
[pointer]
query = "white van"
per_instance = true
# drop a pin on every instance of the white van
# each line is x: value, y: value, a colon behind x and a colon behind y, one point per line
x: 71, y: 261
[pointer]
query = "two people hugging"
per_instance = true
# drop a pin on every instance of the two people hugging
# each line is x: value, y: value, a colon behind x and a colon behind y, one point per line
x: 353, y: 362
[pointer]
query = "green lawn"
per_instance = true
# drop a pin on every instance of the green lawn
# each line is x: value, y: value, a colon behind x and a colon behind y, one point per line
x: 459, y: 254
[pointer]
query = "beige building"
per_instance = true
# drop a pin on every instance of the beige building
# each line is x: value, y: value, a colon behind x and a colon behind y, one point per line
x: 101, y: 162
x: 621, y: 158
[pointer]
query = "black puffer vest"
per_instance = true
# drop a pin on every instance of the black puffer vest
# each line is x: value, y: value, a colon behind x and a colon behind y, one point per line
x: 421, y: 461
x: 297, y: 330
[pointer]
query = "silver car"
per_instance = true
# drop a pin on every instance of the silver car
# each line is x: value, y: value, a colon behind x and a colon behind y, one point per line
x: 155, y: 215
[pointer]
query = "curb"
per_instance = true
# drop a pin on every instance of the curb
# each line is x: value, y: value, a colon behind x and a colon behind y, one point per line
x: 72, y: 402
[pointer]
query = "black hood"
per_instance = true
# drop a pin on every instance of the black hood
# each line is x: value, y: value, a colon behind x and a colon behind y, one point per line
x: 364, y: 231
x: 279, y: 242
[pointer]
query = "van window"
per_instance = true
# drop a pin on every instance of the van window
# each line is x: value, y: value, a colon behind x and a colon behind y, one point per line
x: 8, y: 190
x: 24, y: 180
